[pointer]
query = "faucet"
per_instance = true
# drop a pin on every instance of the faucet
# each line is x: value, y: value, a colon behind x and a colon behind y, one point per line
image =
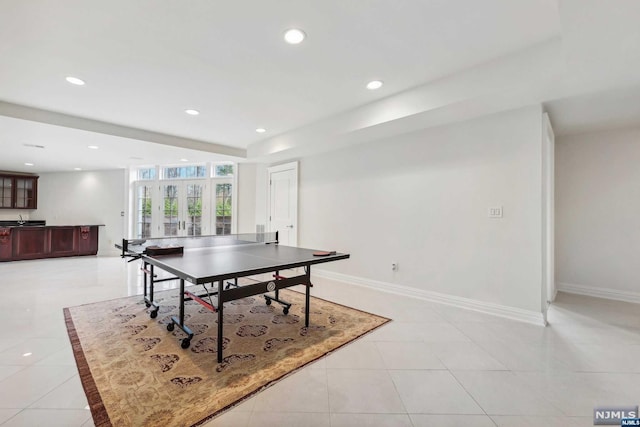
x: 21, y: 221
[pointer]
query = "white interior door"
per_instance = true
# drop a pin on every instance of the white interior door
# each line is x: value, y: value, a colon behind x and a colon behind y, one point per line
x: 283, y: 202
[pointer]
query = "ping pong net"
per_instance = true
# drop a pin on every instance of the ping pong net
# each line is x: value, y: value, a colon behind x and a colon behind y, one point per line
x: 175, y: 245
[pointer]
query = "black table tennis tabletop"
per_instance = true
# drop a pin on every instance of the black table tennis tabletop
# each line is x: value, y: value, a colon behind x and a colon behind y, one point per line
x: 228, y: 258
x: 206, y: 265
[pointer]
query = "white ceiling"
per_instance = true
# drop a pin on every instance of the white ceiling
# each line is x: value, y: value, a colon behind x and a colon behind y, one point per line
x: 145, y: 62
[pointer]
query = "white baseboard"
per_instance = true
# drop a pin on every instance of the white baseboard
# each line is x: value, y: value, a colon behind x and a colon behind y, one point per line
x: 607, y: 293
x: 109, y: 253
x: 460, y: 302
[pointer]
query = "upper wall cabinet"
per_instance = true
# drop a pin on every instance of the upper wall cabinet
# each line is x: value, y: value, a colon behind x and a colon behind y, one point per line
x: 18, y: 191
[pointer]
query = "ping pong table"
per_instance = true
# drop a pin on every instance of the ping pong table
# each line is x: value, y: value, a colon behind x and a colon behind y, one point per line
x: 222, y: 260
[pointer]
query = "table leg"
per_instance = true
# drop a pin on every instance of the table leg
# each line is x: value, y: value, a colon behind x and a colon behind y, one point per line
x: 307, y: 295
x: 220, y: 317
x: 186, y: 342
x: 144, y: 281
x: 181, y: 302
x: 149, y: 281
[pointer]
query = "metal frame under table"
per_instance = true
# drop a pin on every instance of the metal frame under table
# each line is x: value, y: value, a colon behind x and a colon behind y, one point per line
x: 229, y: 264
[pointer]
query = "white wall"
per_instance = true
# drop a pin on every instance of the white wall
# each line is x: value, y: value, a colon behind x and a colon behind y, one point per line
x: 77, y: 198
x: 13, y: 214
x: 246, y: 197
x: 262, y: 191
x: 598, y: 213
x: 422, y: 200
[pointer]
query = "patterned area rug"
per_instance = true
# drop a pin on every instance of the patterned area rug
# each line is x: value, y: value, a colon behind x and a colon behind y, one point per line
x: 135, y: 373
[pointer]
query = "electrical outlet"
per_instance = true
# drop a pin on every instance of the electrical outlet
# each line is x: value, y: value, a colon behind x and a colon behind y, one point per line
x: 495, y: 212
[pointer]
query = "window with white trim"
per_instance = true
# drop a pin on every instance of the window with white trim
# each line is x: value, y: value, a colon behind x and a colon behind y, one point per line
x: 185, y: 200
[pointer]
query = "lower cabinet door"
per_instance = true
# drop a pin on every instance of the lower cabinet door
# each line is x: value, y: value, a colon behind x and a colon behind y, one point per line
x: 88, y: 240
x: 18, y: 243
x: 64, y: 241
x: 6, y: 250
x: 30, y: 242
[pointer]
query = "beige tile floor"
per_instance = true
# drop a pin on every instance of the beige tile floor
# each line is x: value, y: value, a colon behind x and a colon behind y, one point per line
x: 434, y: 365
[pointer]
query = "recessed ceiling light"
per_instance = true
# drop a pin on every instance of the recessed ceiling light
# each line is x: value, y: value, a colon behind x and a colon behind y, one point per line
x: 28, y: 164
x: 261, y: 130
x: 27, y: 354
x: 77, y: 169
x: 294, y: 36
x: 93, y: 147
x: 192, y: 112
x: 374, y: 84
x: 184, y: 160
x: 75, y: 81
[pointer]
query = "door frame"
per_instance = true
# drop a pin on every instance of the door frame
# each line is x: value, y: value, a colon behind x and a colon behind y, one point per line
x: 280, y: 168
x: 549, y: 290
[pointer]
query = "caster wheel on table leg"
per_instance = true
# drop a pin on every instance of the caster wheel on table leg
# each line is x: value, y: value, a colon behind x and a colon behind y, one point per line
x: 154, y: 314
x: 148, y: 304
x: 285, y: 310
x: 186, y: 342
x: 267, y: 301
x: 170, y: 326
